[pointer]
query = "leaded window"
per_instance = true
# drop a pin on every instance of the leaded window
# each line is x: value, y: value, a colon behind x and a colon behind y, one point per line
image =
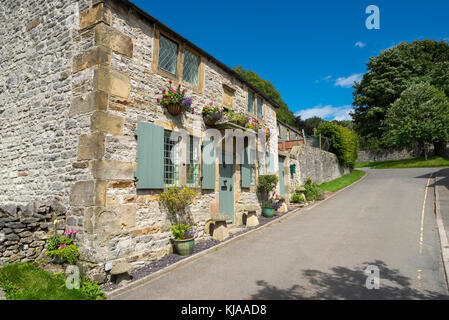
x: 259, y: 107
x: 250, y: 101
x: 171, y: 160
x: 190, y: 67
x: 193, y: 167
x: 168, y: 54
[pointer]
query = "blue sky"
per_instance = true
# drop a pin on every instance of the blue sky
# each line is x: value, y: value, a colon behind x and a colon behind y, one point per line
x: 310, y: 50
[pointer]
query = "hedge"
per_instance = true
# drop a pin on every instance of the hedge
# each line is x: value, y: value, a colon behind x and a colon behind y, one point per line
x: 344, y: 142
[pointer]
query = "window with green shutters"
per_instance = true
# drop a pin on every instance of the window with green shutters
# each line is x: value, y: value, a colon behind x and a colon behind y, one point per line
x: 171, y: 160
x: 192, y: 167
x: 259, y: 107
x: 190, y: 67
x: 208, y: 165
x: 168, y: 54
x: 245, y: 168
x: 150, y: 156
x: 250, y: 101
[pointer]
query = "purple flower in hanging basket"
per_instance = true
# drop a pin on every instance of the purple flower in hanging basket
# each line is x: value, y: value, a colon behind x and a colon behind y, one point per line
x: 187, y: 102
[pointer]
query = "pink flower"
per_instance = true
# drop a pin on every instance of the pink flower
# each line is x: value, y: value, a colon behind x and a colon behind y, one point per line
x: 211, y: 103
x: 62, y: 245
x: 174, y: 91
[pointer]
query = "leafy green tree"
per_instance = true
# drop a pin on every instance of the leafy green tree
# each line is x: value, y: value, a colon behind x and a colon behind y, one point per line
x: 421, y: 115
x: 344, y: 142
x: 389, y: 74
x: 312, y: 124
x: 283, y: 113
x: 345, y: 123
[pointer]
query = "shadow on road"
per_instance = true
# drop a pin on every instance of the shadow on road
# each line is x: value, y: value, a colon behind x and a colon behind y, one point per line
x: 441, y: 173
x: 345, y: 283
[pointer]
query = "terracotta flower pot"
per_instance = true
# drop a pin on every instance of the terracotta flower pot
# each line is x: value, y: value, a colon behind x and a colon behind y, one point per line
x: 174, y: 109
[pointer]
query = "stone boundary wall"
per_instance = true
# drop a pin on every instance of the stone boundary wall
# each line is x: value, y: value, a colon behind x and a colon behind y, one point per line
x: 320, y: 165
x: 392, y: 154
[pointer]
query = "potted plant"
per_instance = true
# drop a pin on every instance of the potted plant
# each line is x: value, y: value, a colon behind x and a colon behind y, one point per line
x: 237, y: 118
x: 212, y: 114
x: 269, y: 206
x: 267, y: 183
x: 176, y: 200
x: 183, y: 239
x: 252, y: 123
x: 61, y: 247
x: 175, y: 100
x: 267, y: 134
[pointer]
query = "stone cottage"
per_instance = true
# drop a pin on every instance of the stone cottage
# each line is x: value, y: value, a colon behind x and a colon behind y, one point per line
x: 83, y: 138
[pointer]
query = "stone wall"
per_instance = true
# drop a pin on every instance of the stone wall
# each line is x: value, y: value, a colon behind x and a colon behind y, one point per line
x: 24, y: 229
x: 319, y: 165
x: 392, y: 154
x: 117, y: 84
x: 38, y: 141
x: 75, y: 79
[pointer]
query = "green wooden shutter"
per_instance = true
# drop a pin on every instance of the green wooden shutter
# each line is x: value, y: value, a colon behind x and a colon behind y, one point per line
x: 246, y: 169
x: 269, y: 163
x: 150, y: 156
x: 208, y: 166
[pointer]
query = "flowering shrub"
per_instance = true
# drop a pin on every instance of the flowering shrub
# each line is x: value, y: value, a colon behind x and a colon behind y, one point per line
x: 212, y: 113
x: 176, y: 96
x: 274, y: 202
x: 62, y: 246
x: 68, y: 253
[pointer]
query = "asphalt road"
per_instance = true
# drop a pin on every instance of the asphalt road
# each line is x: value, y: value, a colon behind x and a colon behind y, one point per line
x: 322, y: 252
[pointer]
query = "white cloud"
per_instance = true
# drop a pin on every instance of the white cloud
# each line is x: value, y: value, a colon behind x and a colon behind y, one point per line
x: 324, y: 79
x: 360, y: 44
x: 326, y: 112
x: 348, y: 81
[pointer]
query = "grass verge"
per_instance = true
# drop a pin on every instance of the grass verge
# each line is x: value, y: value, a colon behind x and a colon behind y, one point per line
x: 24, y: 281
x: 342, y: 182
x: 431, y: 162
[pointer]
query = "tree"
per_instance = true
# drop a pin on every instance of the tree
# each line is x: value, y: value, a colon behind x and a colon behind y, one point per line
x: 344, y: 142
x: 345, y: 123
x: 421, y: 115
x: 389, y: 74
x: 283, y: 113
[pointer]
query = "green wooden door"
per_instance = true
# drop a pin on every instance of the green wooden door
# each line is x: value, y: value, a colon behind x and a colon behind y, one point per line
x: 281, y: 176
x: 226, y: 190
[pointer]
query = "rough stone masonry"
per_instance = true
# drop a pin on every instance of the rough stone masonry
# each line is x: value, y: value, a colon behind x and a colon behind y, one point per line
x: 76, y: 77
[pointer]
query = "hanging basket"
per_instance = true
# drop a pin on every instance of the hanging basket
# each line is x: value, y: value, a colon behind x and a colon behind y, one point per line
x: 174, y: 109
x: 210, y: 122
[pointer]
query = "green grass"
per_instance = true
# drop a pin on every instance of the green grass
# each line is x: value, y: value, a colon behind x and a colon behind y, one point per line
x: 342, y: 182
x: 431, y: 162
x: 25, y: 281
